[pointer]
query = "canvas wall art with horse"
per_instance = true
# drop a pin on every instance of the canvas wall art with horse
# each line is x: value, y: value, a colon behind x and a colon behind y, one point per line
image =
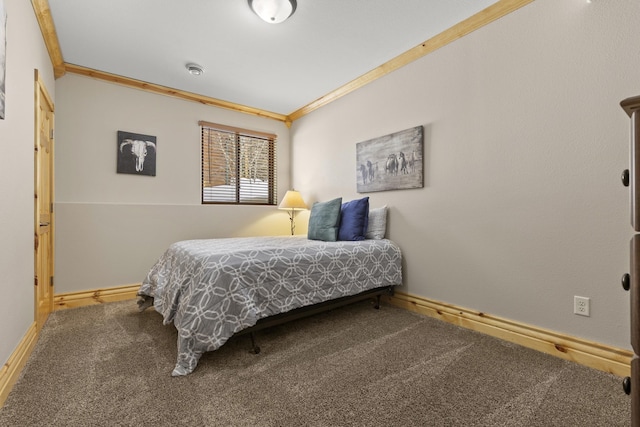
x: 390, y: 162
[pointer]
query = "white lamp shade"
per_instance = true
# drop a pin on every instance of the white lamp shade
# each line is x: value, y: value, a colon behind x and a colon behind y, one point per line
x: 292, y: 200
x: 273, y: 11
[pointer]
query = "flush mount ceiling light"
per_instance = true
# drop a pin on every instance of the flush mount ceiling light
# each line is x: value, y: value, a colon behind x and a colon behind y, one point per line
x: 273, y: 11
x: 195, y: 69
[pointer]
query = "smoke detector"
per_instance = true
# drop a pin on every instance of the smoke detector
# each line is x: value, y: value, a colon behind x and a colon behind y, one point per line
x: 195, y: 69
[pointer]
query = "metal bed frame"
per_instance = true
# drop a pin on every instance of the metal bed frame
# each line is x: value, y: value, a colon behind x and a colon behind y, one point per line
x: 302, y: 312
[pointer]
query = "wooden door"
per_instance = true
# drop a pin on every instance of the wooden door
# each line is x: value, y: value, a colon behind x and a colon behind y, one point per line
x: 43, y: 204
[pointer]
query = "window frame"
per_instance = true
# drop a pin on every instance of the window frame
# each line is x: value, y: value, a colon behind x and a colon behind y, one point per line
x: 238, y: 134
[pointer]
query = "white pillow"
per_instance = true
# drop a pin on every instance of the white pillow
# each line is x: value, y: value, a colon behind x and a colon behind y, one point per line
x: 377, y: 223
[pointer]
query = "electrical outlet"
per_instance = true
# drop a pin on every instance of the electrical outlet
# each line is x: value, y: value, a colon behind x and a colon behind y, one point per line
x: 581, y: 305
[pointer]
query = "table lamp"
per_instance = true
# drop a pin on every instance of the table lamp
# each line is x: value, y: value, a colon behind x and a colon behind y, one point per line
x: 292, y: 202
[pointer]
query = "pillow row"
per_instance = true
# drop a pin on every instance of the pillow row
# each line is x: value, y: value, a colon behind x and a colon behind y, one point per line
x: 333, y: 220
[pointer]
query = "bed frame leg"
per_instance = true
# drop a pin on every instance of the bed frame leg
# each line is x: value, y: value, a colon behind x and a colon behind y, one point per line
x: 377, y: 303
x: 254, y: 348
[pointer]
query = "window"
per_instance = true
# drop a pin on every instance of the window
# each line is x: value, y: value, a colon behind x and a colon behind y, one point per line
x: 238, y: 165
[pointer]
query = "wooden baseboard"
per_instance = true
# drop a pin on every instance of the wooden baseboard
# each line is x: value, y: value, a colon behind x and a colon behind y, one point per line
x: 605, y: 358
x: 95, y: 296
x: 595, y: 355
x: 11, y: 370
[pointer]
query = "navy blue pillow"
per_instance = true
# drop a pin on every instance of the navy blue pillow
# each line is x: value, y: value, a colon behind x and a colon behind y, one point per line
x: 354, y: 218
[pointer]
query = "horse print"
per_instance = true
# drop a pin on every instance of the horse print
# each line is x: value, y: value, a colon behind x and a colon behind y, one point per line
x: 399, y: 153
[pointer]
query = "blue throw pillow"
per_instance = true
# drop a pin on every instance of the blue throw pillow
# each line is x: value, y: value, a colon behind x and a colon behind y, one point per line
x: 324, y: 220
x: 354, y: 218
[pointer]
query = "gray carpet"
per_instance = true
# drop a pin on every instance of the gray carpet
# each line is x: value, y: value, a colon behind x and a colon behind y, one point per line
x: 109, y: 365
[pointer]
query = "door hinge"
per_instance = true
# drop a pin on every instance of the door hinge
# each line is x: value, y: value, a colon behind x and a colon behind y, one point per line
x: 51, y: 208
x: 51, y: 282
x: 35, y: 281
x: 51, y: 134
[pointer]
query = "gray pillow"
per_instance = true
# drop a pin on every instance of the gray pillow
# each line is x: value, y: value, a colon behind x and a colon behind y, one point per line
x: 324, y: 220
x: 377, y: 223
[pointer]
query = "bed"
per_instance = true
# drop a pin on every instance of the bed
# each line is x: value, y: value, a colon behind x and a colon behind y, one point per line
x: 216, y: 288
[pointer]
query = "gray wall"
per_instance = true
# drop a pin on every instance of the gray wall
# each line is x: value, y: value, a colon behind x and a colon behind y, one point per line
x: 525, y: 141
x: 25, y: 52
x: 110, y: 228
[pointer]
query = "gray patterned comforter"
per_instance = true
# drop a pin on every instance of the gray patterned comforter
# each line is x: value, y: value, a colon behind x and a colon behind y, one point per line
x: 211, y: 289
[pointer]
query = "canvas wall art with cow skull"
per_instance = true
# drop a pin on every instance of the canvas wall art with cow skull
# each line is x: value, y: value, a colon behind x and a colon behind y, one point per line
x: 137, y: 153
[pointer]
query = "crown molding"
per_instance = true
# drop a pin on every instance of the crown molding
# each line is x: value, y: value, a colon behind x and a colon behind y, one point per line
x: 164, y: 90
x: 48, y: 29
x: 479, y: 20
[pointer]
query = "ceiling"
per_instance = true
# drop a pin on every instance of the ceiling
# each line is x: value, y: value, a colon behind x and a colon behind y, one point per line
x: 277, y: 68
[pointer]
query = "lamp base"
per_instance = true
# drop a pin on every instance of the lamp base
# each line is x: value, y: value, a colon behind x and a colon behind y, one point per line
x: 293, y: 224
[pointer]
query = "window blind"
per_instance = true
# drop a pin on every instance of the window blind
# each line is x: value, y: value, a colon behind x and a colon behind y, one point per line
x: 238, y: 165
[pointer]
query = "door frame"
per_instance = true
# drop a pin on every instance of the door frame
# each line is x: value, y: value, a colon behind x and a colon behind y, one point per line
x: 42, y: 308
